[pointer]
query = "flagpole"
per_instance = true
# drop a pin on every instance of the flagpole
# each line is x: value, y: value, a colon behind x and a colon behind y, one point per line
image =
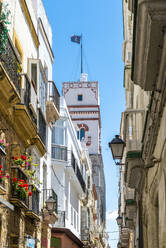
x: 81, y: 57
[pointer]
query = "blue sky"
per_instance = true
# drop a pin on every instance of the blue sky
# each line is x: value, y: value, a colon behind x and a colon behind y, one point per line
x: 101, y: 23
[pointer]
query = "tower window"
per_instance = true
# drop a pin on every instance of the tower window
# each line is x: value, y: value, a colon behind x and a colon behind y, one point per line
x: 80, y: 97
x: 82, y: 133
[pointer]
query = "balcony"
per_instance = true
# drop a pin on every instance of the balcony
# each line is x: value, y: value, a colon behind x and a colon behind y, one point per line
x: 124, y: 236
x: 9, y: 77
x: 133, y: 120
x: 23, y: 124
x: 33, y: 211
x: 16, y: 199
x: 53, y: 102
x: 77, y: 172
x: 134, y: 169
x: 149, y: 43
x: 27, y: 98
x: 59, y: 152
x: 131, y: 208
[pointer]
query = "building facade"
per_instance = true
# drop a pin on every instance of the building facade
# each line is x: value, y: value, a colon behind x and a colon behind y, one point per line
x: 73, y: 185
x: 142, y: 181
x: 28, y: 106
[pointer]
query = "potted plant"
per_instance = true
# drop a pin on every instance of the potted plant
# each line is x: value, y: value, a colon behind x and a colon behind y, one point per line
x: 22, y: 161
x: 20, y: 188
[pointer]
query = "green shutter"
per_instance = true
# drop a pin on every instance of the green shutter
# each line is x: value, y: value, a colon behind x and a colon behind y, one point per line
x: 55, y: 242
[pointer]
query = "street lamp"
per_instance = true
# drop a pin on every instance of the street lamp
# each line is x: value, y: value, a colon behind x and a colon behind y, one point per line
x: 119, y: 245
x: 119, y: 220
x: 51, y: 204
x: 117, y: 147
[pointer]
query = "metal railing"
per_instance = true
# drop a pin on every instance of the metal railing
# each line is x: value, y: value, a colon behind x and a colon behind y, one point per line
x: 59, y: 152
x: 17, y: 172
x: 11, y: 62
x: 27, y: 97
x: 54, y: 95
x: 34, y: 200
x: 47, y: 193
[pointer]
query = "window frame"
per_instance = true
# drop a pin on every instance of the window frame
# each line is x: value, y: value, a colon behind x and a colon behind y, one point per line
x: 80, y: 97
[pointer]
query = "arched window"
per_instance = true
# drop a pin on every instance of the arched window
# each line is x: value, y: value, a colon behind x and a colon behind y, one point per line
x: 82, y: 133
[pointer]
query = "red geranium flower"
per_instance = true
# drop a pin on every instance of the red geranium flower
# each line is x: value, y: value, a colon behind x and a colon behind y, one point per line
x: 0, y: 166
x: 30, y: 193
x: 23, y: 157
x: 14, y: 179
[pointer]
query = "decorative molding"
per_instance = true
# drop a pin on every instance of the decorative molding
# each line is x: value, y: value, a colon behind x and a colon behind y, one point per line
x: 83, y: 126
x: 87, y: 119
x: 83, y: 106
x: 93, y: 85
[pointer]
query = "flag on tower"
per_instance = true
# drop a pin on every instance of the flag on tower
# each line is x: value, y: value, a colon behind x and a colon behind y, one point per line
x: 76, y: 38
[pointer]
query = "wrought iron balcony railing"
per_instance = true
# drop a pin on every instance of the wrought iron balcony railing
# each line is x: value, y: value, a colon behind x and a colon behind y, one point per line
x: 59, y: 152
x: 54, y: 95
x: 16, y: 197
x: 34, y: 200
x: 47, y: 193
x: 11, y: 62
x: 27, y: 97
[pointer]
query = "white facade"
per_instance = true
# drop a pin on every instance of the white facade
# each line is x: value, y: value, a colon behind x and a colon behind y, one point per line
x: 66, y: 154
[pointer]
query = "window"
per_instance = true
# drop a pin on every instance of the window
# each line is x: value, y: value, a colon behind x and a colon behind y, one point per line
x: 72, y: 215
x: 75, y: 219
x: 80, y: 97
x: 77, y: 223
x: 59, y: 133
x: 82, y: 133
x: 59, y: 140
x: 34, y: 75
x: 42, y: 98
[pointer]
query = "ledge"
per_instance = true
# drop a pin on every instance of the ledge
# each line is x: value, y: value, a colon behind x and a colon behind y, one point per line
x: 32, y: 215
x: 39, y: 144
x: 51, y: 112
x: 17, y: 202
x: 24, y: 126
